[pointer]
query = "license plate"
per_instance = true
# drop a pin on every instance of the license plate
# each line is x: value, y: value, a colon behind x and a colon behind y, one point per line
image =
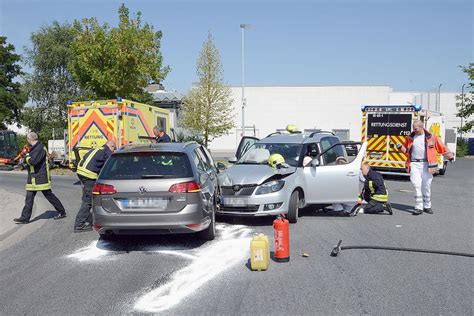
x: 376, y: 155
x: 235, y: 201
x: 153, y: 203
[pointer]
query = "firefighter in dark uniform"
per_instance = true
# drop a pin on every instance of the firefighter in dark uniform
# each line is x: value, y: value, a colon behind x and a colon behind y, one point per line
x: 88, y: 170
x: 160, y: 135
x: 374, y: 193
x: 39, y: 179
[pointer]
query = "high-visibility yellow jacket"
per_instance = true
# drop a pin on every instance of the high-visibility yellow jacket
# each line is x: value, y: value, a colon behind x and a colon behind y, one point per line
x: 39, y: 178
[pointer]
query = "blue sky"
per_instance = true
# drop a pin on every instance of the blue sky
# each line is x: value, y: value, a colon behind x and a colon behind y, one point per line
x: 407, y: 44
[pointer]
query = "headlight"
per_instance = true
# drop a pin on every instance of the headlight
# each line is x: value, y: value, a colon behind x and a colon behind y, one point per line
x: 270, y: 187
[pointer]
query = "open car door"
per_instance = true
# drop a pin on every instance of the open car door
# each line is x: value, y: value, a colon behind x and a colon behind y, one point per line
x: 245, y: 143
x: 335, y: 183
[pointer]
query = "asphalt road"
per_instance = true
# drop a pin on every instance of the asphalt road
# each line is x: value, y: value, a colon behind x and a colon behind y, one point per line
x: 54, y: 271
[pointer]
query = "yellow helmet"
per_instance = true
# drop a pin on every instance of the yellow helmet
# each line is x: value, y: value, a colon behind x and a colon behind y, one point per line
x: 275, y: 160
x: 292, y: 128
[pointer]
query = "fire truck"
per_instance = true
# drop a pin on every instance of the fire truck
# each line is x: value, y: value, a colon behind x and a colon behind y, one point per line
x: 383, y: 126
x: 92, y: 123
x: 8, y: 149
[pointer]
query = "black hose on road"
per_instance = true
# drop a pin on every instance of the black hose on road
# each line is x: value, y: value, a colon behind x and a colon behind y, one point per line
x: 338, y: 249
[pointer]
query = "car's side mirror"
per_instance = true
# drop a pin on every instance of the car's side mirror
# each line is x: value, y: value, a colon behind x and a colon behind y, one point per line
x: 221, y: 166
x: 232, y: 159
x: 315, y: 162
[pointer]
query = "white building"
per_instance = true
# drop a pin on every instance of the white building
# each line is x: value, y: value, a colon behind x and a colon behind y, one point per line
x: 331, y: 108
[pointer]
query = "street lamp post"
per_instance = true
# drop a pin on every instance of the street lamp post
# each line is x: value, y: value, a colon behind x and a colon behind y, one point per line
x: 438, y: 99
x: 462, y: 103
x: 242, y: 28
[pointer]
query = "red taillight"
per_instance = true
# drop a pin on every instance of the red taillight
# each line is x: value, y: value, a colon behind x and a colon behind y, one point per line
x: 185, y: 187
x: 103, y: 189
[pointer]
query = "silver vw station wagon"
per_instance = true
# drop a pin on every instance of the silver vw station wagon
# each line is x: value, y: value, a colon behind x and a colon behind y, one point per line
x: 252, y: 188
x: 157, y: 189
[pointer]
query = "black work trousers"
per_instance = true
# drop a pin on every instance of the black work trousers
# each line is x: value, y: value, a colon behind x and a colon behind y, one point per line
x: 49, y: 195
x: 374, y: 207
x: 84, y: 215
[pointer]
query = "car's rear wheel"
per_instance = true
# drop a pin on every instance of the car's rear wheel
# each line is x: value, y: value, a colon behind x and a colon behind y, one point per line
x: 210, y: 232
x: 293, y: 207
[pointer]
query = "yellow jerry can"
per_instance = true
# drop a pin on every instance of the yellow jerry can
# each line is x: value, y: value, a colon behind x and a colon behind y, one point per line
x: 259, y: 253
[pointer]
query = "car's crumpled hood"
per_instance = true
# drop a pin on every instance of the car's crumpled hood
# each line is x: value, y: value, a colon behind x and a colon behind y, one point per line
x: 252, y: 174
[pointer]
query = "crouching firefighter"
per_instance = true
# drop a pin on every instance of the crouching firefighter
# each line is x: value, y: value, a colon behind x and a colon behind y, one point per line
x: 88, y: 170
x: 374, y: 192
x: 39, y: 179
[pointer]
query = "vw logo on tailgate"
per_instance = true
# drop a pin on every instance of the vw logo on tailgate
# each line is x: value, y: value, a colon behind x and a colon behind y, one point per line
x: 142, y: 190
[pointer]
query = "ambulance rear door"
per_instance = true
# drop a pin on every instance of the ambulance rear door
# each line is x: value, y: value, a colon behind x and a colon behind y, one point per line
x: 384, y: 130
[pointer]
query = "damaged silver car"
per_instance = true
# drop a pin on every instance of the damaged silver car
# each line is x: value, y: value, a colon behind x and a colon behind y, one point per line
x: 311, y: 175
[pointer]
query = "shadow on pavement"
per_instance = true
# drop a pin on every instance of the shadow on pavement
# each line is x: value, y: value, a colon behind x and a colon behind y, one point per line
x: 400, y: 178
x: 45, y: 215
x: 247, y: 221
x: 130, y: 243
x: 319, y: 211
x: 402, y: 207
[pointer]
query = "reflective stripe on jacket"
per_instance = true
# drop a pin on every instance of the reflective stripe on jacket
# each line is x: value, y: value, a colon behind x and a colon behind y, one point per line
x: 93, y: 161
x: 85, y: 161
x: 433, y: 146
x: 39, y: 178
x: 374, y: 188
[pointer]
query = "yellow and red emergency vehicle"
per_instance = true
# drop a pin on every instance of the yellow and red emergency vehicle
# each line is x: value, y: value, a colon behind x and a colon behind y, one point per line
x: 383, y: 126
x: 92, y: 123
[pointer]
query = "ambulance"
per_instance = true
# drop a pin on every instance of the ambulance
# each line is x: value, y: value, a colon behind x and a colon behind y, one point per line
x: 92, y: 123
x: 383, y: 126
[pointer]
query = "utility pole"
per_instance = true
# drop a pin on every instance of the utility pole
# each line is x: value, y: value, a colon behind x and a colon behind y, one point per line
x: 242, y: 28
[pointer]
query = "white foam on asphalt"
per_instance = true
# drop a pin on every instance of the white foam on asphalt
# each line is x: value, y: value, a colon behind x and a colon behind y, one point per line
x: 230, y: 248
x: 89, y: 253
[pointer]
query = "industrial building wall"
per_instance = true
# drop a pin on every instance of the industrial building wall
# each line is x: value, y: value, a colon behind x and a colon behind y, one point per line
x: 315, y: 107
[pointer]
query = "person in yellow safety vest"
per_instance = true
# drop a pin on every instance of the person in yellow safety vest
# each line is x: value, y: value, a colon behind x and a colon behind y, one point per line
x: 88, y: 170
x: 39, y: 179
x: 374, y: 193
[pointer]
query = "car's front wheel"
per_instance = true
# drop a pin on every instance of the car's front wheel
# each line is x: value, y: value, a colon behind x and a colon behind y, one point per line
x: 293, y: 207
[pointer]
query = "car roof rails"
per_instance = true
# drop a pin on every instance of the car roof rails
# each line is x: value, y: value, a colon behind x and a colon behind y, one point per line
x: 275, y: 133
x: 321, y: 132
x: 284, y: 133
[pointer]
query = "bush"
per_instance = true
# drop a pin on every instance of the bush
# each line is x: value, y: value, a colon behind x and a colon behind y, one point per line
x: 21, y: 140
x: 183, y: 138
x: 462, y: 148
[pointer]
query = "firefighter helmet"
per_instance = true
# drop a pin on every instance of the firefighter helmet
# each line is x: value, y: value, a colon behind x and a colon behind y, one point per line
x: 292, y: 128
x: 275, y: 160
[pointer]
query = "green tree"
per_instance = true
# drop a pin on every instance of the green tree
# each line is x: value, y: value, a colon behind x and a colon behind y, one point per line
x: 50, y: 84
x: 12, y: 97
x: 208, y: 106
x: 119, y: 61
x: 465, y: 102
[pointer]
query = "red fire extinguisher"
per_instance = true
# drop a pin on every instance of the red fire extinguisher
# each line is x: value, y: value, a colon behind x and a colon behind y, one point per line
x: 281, y: 229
